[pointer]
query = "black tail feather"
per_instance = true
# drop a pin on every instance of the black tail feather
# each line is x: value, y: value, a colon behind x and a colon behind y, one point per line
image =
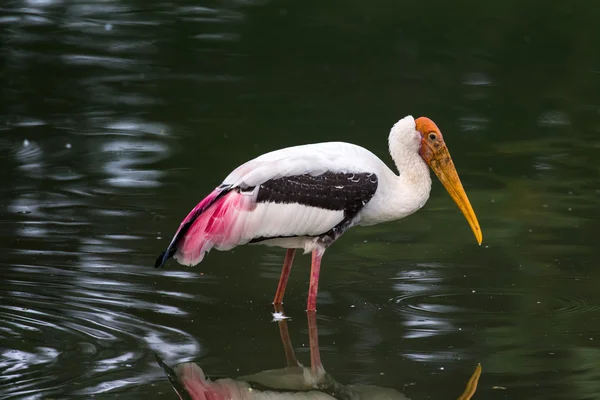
x: 164, y: 256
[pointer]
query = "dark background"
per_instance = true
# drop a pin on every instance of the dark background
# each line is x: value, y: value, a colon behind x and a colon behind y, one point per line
x: 117, y: 117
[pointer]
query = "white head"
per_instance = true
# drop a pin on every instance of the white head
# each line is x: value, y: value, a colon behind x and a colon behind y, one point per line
x: 404, y: 139
x: 420, y: 141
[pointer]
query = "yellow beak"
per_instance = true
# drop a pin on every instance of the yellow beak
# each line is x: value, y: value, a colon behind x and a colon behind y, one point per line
x: 441, y: 163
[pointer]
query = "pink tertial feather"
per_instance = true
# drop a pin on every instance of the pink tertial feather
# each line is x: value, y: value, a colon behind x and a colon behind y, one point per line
x: 221, y: 225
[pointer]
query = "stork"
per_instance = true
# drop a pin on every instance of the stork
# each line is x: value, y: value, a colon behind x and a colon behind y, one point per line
x: 307, y: 196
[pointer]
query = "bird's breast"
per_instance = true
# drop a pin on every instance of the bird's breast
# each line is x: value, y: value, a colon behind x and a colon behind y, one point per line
x: 394, y: 199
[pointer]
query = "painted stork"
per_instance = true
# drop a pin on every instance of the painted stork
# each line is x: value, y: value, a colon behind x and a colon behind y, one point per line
x: 306, y: 197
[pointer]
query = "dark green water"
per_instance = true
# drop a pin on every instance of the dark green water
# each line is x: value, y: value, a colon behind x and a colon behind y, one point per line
x: 119, y: 116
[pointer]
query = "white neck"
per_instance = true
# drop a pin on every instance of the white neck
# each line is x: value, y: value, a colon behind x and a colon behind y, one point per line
x: 399, y: 196
x: 412, y: 187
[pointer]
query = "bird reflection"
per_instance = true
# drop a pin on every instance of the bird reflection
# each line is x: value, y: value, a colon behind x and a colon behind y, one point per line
x: 293, y: 382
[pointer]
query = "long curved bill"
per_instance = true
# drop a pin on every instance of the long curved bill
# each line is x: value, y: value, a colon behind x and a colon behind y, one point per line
x: 441, y: 163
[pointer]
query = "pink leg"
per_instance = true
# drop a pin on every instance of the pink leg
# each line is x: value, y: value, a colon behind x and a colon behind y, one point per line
x: 313, y: 338
x: 285, y: 274
x: 314, y: 279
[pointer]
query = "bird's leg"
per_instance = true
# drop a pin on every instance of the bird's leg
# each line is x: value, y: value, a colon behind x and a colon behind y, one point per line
x: 285, y: 274
x: 313, y: 338
x: 313, y: 288
x: 290, y: 356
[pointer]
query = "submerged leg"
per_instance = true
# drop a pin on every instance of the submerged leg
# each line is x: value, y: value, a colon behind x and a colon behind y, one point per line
x: 313, y: 338
x: 285, y: 274
x: 313, y: 288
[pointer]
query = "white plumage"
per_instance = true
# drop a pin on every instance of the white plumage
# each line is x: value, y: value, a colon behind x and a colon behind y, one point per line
x: 280, y: 220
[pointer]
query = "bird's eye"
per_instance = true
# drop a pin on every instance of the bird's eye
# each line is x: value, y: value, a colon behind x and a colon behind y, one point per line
x: 432, y: 136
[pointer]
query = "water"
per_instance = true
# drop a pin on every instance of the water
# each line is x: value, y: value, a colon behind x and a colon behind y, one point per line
x: 118, y: 116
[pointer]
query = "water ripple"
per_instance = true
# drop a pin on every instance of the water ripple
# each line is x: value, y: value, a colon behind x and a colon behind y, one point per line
x: 77, y: 318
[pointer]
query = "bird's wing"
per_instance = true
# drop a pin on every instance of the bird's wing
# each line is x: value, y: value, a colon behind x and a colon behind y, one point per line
x: 294, y: 192
x: 307, y: 205
x: 305, y: 190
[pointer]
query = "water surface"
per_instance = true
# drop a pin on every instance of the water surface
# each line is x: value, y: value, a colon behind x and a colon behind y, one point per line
x: 119, y: 116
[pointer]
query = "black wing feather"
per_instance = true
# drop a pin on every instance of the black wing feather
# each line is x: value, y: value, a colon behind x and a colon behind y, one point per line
x: 347, y: 192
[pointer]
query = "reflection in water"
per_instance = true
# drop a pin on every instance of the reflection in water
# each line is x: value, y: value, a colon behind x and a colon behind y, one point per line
x: 295, y: 381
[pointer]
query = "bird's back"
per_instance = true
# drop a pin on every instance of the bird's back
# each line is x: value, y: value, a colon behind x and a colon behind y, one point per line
x: 313, y: 159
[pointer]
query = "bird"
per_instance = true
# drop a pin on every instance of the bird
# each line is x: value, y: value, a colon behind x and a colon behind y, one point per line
x: 306, y: 197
